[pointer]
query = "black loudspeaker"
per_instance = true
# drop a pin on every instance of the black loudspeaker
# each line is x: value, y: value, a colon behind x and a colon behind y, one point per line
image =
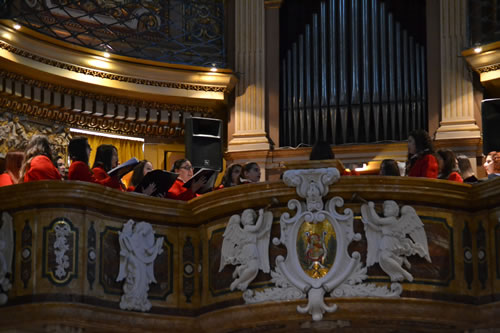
x: 490, y: 113
x: 203, y: 140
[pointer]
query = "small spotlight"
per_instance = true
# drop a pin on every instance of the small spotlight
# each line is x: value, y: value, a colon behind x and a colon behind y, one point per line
x: 107, y: 55
x: 478, y: 49
x: 17, y: 26
x: 214, y: 68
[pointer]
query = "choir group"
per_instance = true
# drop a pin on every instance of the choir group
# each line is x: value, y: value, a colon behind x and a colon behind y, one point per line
x: 38, y: 163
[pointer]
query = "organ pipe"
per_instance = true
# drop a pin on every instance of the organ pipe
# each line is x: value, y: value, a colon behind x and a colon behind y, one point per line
x: 353, y: 69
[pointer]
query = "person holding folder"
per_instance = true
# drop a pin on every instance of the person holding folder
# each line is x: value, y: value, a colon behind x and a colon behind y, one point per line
x: 184, y: 169
x: 79, y: 152
x: 106, y: 158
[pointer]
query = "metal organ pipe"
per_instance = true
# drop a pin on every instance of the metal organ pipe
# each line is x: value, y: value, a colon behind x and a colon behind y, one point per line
x: 353, y: 75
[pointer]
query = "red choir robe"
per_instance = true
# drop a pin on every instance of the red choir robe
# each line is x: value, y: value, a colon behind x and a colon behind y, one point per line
x: 179, y: 192
x: 41, y: 168
x: 5, y: 179
x: 104, y: 179
x: 80, y: 171
x: 455, y: 176
x: 426, y: 166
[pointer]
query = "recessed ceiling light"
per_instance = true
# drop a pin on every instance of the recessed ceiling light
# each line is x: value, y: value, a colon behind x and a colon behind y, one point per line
x: 17, y: 26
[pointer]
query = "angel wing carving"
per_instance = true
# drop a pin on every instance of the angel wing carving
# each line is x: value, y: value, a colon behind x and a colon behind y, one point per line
x: 138, y: 251
x: 388, y: 243
x: 247, y: 245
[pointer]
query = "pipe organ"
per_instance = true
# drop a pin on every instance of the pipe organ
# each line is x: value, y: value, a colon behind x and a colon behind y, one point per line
x: 354, y: 75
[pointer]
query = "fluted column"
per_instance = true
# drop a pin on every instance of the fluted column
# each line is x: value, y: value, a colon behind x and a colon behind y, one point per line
x: 249, y: 111
x: 457, y: 97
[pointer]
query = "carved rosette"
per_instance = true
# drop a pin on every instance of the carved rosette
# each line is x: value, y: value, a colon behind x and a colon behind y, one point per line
x: 188, y: 270
x: 6, y: 255
x: 317, y: 238
x: 60, y: 248
x: 26, y: 253
x: 91, y: 255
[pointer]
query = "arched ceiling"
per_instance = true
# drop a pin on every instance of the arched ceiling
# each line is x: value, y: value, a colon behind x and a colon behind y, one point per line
x: 61, y: 82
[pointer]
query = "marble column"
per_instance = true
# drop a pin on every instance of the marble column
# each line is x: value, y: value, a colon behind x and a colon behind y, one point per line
x: 457, y: 95
x: 249, y: 110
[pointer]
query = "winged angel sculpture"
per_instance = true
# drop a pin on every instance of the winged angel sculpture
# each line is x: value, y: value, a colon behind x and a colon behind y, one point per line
x: 6, y: 252
x: 247, y: 244
x: 387, y: 241
x: 138, y: 251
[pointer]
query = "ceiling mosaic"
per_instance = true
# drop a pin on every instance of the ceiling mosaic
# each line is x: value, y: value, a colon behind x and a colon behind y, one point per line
x: 189, y: 32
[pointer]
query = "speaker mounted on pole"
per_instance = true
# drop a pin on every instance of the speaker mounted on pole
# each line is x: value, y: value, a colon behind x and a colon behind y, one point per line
x: 490, y: 114
x: 203, y: 140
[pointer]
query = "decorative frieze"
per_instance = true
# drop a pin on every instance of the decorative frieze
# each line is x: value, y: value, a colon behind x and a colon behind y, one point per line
x: 15, y: 132
x: 77, y: 108
x: 107, y: 75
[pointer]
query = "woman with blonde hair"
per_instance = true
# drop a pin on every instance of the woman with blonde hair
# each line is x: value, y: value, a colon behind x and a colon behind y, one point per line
x: 492, y: 165
x: 37, y: 162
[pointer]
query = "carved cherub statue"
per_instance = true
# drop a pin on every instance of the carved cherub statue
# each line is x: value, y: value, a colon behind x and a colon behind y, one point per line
x: 6, y: 252
x: 138, y: 251
x: 388, y: 243
x: 247, y: 246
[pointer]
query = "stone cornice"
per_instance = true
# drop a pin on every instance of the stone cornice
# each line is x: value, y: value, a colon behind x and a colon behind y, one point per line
x: 119, y: 115
x: 273, y: 3
x: 53, y: 63
x: 107, y: 75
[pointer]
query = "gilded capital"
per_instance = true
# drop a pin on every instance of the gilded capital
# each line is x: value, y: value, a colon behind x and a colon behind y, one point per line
x: 273, y: 3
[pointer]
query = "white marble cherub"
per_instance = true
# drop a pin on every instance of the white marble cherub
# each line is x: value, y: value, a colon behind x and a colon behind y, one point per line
x: 388, y: 243
x: 246, y: 244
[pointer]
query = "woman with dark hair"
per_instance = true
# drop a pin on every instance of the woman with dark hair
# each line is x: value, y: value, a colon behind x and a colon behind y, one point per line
x: 421, y: 160
x: 231, y: 176
x: 447, y: 165
x: 321, y: 151
x: 106, y: 158
x: 138, y: 174
x: 79, y: 152
x: 13, y: 164
x: 466, y: 170
x: 389, y: 167
x: 37, y: 163
x: 184, y: 169
x: 61, y: 167
x: 250, y: 173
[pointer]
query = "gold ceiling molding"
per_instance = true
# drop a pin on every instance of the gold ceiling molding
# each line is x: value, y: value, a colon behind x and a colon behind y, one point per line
x: 72, y: 68
x: 77, y: 108
x: 110, y: 76
x: 487, y: 64
x: 105, y: 98
x: 79, y: 120
x: 487, y: 69
x: 273, y: 3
